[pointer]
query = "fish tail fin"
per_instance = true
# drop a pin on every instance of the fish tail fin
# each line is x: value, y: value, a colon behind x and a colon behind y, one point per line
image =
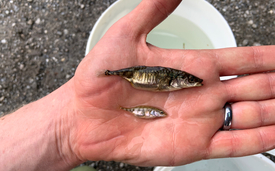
x: 108, y: 72
x: 126, y: 109
x: 123, y: 108
x: 101, y: 73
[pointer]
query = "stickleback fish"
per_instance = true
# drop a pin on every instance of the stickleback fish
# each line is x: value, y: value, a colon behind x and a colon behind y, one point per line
x: 157, y: 78
x: 146, y: 112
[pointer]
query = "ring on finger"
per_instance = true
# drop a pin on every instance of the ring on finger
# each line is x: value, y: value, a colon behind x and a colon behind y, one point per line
x: 227, y: 117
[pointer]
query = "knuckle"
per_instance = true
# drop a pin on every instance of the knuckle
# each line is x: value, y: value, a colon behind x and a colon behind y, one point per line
x: 258, y: 57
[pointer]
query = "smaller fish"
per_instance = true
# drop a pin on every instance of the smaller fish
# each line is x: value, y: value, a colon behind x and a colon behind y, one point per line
x: 146, y: 112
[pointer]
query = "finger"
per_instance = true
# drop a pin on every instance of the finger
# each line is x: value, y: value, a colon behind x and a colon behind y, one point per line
x: 252, y: 87
x: 148, y: 14
x: 244, y: 60
x: 241, y: 142
x: 253, y: 114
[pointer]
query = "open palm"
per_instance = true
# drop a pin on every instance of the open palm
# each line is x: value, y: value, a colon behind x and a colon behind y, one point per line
x: 191, y: 130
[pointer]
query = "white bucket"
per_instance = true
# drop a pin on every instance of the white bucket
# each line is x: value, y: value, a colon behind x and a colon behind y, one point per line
x: 250, y: 163
x: 195, y: 24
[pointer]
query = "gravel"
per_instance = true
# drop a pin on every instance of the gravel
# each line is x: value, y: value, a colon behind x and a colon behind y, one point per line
x: 43, y: 41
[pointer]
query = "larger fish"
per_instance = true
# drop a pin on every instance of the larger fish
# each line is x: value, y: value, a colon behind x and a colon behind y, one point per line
x: 157, y: 78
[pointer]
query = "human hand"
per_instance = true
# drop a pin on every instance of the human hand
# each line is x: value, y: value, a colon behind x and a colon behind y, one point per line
x: 102, y: 131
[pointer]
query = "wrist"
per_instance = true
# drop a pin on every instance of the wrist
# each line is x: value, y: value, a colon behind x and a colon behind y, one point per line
x: 61, y: 110
x: 63, y: 113
x: 38, y: 135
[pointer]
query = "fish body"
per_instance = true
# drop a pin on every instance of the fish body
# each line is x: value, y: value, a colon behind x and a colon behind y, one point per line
x: 146, y: 112
x: 157, y: 78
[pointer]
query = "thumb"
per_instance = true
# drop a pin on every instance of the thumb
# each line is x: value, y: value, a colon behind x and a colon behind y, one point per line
x: 148, y: 14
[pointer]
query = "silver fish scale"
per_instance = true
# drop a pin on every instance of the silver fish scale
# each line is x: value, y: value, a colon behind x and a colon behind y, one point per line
x: 146, y: 112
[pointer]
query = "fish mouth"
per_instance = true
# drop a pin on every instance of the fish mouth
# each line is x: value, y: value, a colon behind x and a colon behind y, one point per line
x: 198, y: 84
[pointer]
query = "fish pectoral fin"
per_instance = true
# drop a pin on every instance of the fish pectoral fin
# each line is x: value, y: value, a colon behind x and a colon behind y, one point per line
x: 160, y: 87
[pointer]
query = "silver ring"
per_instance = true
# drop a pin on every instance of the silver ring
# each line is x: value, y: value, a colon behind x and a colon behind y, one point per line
x: 227, y: 116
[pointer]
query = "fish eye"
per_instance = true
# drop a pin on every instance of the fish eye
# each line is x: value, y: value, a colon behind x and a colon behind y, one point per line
x: 191, y: 78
